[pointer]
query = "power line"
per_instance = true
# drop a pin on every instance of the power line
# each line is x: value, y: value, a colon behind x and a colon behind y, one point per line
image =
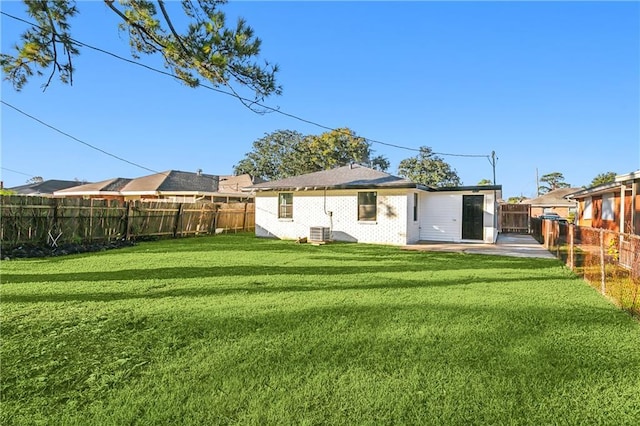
x: 243, y: 100
x: 76, y: 139
x: 15, y: 171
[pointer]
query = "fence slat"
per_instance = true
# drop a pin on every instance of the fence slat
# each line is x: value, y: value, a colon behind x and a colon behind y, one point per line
x: 609, y: 261
x: 31, y: 219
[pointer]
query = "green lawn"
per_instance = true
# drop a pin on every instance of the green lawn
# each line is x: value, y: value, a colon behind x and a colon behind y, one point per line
x: 237, y: 330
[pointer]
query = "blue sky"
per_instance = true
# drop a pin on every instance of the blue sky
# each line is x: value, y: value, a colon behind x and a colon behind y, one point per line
x: 546, y: 85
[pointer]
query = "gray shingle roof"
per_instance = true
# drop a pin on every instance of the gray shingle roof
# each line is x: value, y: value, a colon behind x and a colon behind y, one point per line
x: 45, y: 187
x: 554, y: 198
x: 109, y: 185
x: 346, y: 177
x: 173, y: 181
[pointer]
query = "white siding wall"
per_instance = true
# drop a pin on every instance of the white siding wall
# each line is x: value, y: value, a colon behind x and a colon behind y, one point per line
x: 441, y: 216
x: 309, y: 210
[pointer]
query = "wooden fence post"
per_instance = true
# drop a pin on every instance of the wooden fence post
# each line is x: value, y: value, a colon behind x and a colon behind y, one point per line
x: 56, y: 220
x: 570, y: 232
x: 602, y: 271
x: 129, y: 219
x: 178, y: 220
x: 244, y: 218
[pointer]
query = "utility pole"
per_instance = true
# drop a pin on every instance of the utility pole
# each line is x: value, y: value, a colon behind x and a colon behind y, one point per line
x: 537, y: 184
x: 495, y: 194
x: 493, y: 165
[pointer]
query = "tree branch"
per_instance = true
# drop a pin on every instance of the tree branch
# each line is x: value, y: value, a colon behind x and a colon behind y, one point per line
x: 46, y: 10
x: 109, y: 3
x: 170, y: 24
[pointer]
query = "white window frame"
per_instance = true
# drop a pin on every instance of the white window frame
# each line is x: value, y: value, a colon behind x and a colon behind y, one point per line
x: 588, y: 208
x: 285, y: 210
x: 362, y: 217
x: 607, y: 207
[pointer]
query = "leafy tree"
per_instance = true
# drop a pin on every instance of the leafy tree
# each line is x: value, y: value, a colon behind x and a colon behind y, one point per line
x: 428, y: 169
x: 275, y: 156
x: 603, y: 178
x: 485, y: 182
x: 286, y: 153
x: 339, y: 147
x: 553, y: 181
x: 516, y: 200
x: 35, y: 179
x: 4, y: 191
x: 207, y: 48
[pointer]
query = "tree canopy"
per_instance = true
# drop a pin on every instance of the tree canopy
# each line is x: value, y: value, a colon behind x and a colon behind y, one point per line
x: 286, y: 153
x: 485, y: 181
x: 516, y: 200
x: 552, y: 181
x: 601, y: 178
x: 35, y: 179
x: 207, y: 48
x: 429, y: 169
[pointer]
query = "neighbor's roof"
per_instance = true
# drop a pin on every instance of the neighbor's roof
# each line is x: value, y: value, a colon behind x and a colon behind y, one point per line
x: 555, y: 198
x: 46, y: 187
x: 347, y: 177
x: 172, y: 181
x: 105, y: 186
x: 169, y: 182
x: 234, y: 184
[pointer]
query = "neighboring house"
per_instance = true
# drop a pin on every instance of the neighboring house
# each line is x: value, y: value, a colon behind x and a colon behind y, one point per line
x: 107, y: 190
x: 359, y: 204
x: 172, y: 185
x: 614, y: 206
x: 553, y: 202
x: 45, y: 188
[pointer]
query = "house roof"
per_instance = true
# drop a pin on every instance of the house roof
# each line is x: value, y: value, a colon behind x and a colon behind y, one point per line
x: 353, y: 176
x: 47, y: 187
x: 555, y: 198
x: 234, y: 184
x: 105, y: 186
x: 169, y: 182
x: 172, y: 181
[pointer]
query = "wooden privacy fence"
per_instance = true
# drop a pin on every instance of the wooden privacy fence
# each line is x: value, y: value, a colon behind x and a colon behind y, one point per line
x: 40, y: 220
x: 514, y: 218
x: 608, y: 260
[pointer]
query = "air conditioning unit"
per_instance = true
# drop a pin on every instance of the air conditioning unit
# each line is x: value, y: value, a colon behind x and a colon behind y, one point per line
x: 319, y: 234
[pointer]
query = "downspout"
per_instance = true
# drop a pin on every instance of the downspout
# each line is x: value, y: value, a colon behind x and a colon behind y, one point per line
x: 328, y: 213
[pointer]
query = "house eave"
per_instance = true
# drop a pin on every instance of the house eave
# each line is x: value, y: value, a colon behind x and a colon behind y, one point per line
x: 472, y: 188
x: 408, y: 185
x: 629, y: 177
x: 596, y: 190
x: 86, y: 193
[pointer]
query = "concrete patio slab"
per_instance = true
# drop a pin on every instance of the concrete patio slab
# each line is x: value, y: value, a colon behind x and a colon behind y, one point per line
x: 515, y: 245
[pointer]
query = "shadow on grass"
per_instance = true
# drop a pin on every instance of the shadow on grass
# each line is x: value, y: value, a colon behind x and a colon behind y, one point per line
x: 459, y: 354
x: 258, y: 287
x: 332, y: 267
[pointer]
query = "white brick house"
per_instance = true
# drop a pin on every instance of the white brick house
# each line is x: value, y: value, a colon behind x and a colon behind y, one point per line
x: 359, y: 204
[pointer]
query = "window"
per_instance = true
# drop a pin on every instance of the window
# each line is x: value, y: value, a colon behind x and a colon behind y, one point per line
x: 285, y: 205
x: 588, y: 209
x: 607, y: 206
x: 367, y: 206
x: 415, y: 207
